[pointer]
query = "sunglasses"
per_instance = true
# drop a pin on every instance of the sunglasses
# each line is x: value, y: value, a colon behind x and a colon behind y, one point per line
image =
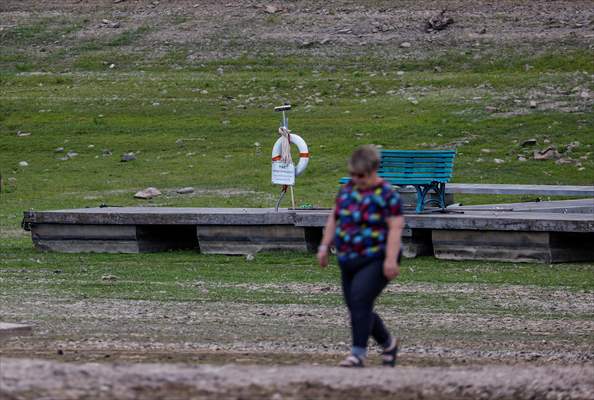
x: 357, y: 175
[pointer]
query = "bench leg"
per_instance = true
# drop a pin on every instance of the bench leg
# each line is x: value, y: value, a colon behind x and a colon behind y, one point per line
x: 422, y: 191
x: 440, y: 189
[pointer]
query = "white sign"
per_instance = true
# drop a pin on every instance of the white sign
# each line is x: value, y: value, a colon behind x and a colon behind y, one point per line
x: 283, y: 173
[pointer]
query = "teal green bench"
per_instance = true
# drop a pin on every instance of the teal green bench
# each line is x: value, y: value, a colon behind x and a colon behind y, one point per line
x: 426, y: 170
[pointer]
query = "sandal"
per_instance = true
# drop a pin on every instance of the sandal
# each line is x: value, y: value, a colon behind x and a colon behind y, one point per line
x: 352, y: 361
x: 390, y: 355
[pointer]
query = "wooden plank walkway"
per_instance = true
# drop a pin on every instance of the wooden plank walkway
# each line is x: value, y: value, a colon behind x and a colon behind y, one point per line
x: 544, y: 231
x: 538, y: 190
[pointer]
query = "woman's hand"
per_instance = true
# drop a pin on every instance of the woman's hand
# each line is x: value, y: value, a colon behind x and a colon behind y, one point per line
x: 323, y: 255
x: 391, y: 269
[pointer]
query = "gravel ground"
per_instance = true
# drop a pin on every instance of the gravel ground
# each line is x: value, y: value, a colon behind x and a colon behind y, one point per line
x: 34, y: 379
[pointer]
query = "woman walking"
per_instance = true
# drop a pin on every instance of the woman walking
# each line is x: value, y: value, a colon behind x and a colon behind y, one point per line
x: 365, y: 226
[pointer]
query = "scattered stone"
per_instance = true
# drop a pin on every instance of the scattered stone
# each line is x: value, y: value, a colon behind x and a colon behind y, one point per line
x: 562, y: 161
x: 437, y: 68
x: 491, y: 109
x: 405, y: 45
x: 305, y: 44
x: 59, y: 150
x: 528, y: 142
x: 546, y: 141
x: 438, y: 22
x: 270, y: 9
x: 486, y: 151
x: 532, y: 104
x: 91, y: 146
x: 249, y: 257
x: 128, y: 157
x: 147, y: 193
x: 522, y: 158
x: 400, y: 73
x: 111, y: 66
x: 585, y: 94
x: 185, y: 190
x: 571, y: 146
x: 23, y: 164
x: 547, y: 154
x: 106, y: 153
x: 23, y: 134
x: 220, y: 71
x: 483, y: 31
x: 498, y: 161
x: 71, y: 154
x: 110, y: 278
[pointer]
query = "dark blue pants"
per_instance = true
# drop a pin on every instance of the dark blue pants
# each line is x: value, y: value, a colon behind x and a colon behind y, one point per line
x: 362, y: 282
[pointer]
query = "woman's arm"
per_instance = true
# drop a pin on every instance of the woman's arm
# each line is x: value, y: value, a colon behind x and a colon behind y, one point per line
x: 327, y: 239
x: 391, y: 266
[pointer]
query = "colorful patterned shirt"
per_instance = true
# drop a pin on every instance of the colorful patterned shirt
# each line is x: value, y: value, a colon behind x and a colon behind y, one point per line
x: 361, y: 219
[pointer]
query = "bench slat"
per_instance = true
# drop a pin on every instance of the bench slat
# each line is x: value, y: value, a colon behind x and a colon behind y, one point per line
x: 415, y: 165
x: 433, y: 152
x: 418, y: 159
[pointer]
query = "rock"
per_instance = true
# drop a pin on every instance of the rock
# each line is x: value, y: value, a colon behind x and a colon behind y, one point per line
x: 106, y: 153
x: 498, y: 161
x: 128, y: 157
x: 486, y: 151
x: 562, y: 161
x: 532, y: 104
x: 491, y: 109
x: 110, y: 278
x: 547, y: 154
x: 438, y: 22
x: 249, y: 257
x: 522, y: 158
x: 305, y: 44
x: 147, y: 193
x: 270, y: 9
x: 23, y: 134
x: 185, y: 190
x: 71, y: 154
x: 405, y: 45
x: 111, y: 66
x: 571, y: 146
x: 585, y: 94
x: 528, y: 142
x: 220, y: 71
x: 400, y: 73
x: 23, y: 164
x: 59, y: 150
x: 483, y: 31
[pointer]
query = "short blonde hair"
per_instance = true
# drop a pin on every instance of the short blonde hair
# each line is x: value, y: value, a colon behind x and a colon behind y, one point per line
x: 365, y: 159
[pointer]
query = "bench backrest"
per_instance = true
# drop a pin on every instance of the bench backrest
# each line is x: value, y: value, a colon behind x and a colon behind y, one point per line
x: 419, y: 167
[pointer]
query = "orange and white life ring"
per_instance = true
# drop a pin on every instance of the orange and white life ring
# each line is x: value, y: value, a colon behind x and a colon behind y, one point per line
x: 303, y: 152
